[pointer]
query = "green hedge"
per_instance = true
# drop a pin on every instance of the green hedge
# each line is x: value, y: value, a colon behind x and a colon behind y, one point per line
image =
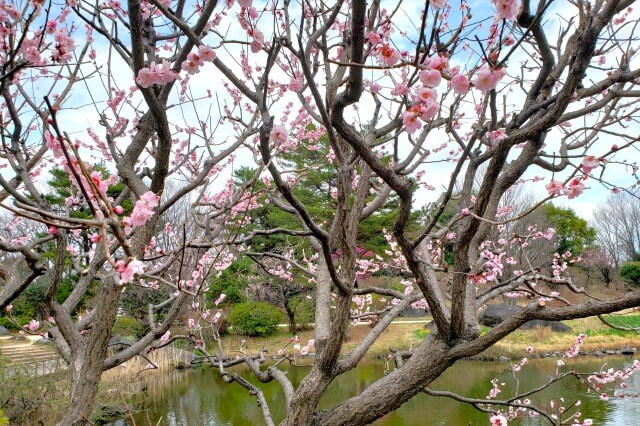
x: 254, y: 318
x: 631, y: 273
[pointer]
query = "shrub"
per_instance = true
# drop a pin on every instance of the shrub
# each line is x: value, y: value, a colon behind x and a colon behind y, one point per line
x: 254, y: 318
x: 305, y: 310
x: 12, y: 326
x: 631, y: 273
x: 128, y: 327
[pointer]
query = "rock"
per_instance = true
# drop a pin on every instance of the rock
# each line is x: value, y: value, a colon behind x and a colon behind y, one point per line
x: 180, y: 359
x: 3, y: 331
x: 628, y: 351
x: 611, y: 352
x: 598, y: 353
x: 503, y: 359
x: 556, y: 326
x: 410, y: 312
x: 19, y: 338
x: 43, y: 341
x: 118, y: 343
x: 108, y: 413
x: 494, y: 314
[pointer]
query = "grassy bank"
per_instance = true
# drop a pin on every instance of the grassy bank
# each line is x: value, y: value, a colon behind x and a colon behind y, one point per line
x: 408, y: 335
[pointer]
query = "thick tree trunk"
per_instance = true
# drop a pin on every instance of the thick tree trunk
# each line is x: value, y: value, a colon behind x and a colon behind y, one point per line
x: 88, y: 355
x: 304, y: 403
x: 305, y: 400
x: 429, y: 361
x: 293, y: 328
x: 85, y: 378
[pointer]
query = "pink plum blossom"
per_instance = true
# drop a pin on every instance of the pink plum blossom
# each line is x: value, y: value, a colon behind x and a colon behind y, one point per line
x: 429, y: 110
x: 389, y: 56
x: 143, y: 209
x: 498, y: 420
x: 497, y: 136
x: 487, y: 79
x: 509, y: 40
x: 220, y: 299
x: 507, y: 9
x: 296, y: 84
x: 460, y: 84
x: 574, y: 189
x: 374, y: 38
x: 424, y: 94
x: 165, y: 337
x: 129, y: 270
x: 589, y: 163
x: 410, y: 120
x: 279, y: 135
x: 430, y: 78
x: 554, y: 187
x: 33, y: 325
x: 400, y: 90
x: 206, y: 53
x: 438, y: 63
x: 192, y: 64
x: 156, y: 74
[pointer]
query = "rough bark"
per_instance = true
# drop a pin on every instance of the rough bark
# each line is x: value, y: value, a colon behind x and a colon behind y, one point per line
x: 87, y: 360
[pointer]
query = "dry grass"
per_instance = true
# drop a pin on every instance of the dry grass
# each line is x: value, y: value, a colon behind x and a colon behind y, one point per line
x: 162, y: 358
x: 405, y: 336
x: 400, y: 336
x: 599, y: 337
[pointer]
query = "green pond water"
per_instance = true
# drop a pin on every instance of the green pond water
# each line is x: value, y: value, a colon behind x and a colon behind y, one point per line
x: 201, y: 397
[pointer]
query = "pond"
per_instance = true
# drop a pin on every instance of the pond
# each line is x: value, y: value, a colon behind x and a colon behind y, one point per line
x: 201, y: 397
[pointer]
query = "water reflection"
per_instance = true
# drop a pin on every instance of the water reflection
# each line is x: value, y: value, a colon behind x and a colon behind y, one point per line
x: 202, y: 398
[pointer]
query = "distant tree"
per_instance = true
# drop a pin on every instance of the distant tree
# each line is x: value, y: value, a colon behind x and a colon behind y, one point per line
x: 617, y: 222
x: 284, y: 295
x: 574, y: 232
x: 594, y: 258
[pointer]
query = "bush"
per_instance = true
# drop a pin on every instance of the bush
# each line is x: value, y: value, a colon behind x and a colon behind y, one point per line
x: 254, y: 318
x: 305, y: 311
x: 128, y: 327
x: 10, y: 325
x: 631, y: 273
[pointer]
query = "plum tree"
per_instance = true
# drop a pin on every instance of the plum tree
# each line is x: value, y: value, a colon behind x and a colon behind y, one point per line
x: 414, y: 99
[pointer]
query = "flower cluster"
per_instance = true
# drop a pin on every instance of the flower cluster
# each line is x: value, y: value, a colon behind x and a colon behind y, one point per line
x: 573, y: 190
x: 143, y: 209
x: 129, y: 270
x: 487, y: 78
x: 64, y: 46
x: 159, y: 74
x: 196, y: 60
